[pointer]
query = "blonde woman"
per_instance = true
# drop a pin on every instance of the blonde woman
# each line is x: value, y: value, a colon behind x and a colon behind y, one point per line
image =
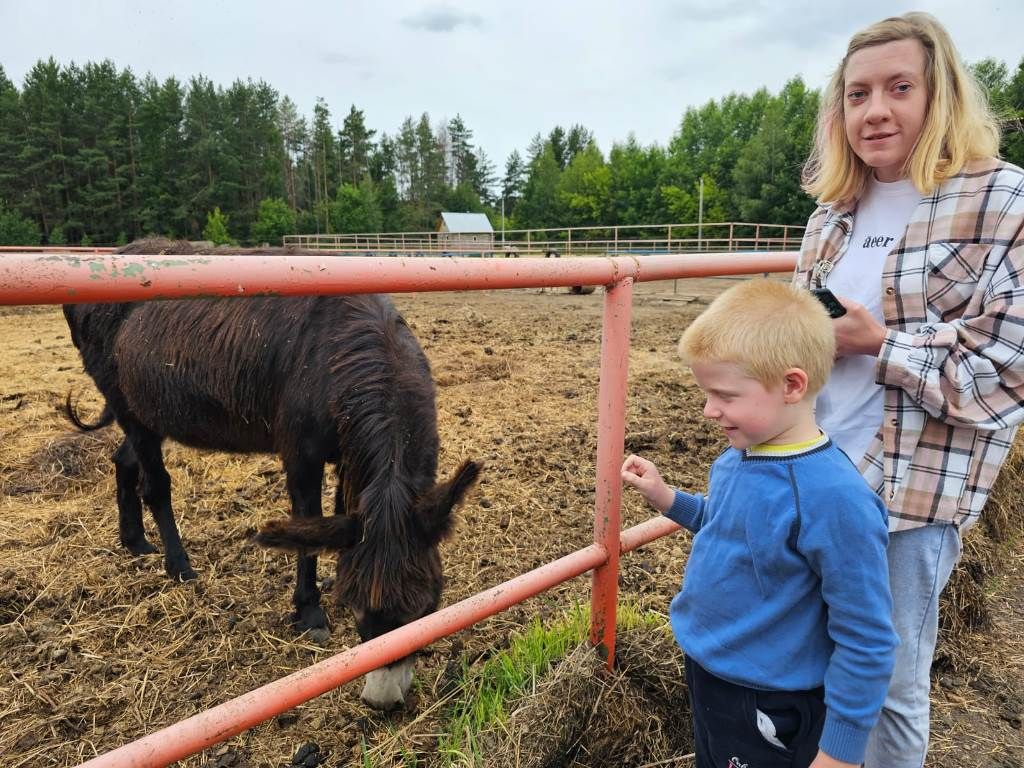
x: 919, y: 235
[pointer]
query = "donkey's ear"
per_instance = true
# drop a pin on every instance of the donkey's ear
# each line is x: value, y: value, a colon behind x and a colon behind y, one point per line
x: 311, y: 535
x: 434, y: 508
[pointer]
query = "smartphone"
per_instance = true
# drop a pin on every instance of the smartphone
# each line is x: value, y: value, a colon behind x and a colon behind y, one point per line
x: 826, y: 297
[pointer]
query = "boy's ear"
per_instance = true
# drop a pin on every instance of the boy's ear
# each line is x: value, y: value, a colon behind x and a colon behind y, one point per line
x: 794, y: 385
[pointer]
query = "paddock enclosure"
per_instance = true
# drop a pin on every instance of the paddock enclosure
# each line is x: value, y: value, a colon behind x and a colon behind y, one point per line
x: 98, y: 647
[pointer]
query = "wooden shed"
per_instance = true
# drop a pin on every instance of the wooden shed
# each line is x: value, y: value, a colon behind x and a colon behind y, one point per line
x: 466, y: 234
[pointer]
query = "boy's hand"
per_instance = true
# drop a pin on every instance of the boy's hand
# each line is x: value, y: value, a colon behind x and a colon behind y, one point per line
x: 824, y: 761
x: 641, y: 474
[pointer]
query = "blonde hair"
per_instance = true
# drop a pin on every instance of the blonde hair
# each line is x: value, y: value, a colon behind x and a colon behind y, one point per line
x: 767, y: 327
x: 959, y: 126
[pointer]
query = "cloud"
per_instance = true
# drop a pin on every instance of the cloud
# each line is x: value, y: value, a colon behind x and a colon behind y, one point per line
x: 337, y: 57
x: 442, y: 18
x: 700, y: 11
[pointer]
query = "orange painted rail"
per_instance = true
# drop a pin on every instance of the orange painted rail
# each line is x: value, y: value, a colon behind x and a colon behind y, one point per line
x: 68, y: 277
x: 62, y: 278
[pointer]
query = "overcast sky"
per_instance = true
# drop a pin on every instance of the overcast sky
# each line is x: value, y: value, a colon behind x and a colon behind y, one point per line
x: 510, y: 69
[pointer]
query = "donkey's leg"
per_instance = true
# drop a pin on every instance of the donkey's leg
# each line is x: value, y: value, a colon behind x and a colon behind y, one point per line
x: 305, y: 479
x: 156, y: 492
x: 129, y: 507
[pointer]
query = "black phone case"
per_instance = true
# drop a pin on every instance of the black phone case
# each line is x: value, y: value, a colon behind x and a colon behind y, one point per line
x: 826, y: 297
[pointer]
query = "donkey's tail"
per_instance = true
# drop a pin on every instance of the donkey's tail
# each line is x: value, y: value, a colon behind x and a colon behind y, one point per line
x: 105, y: 420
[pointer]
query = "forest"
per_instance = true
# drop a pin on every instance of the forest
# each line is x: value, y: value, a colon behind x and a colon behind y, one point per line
x: 94, y: 155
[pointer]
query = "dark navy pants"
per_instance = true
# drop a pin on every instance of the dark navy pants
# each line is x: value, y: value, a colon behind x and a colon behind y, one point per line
x: 725, y: 723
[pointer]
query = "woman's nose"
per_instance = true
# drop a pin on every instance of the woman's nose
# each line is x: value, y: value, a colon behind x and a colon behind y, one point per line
x: 878, y: 108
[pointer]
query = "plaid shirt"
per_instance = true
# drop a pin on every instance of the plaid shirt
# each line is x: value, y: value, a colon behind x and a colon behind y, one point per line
x: 952, y: 362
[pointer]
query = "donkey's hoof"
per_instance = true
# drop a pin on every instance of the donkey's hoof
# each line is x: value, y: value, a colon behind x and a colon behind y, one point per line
x: 181, y: 572
x: 312, y: 620
x: 140, y: 546
x: 319, y: 635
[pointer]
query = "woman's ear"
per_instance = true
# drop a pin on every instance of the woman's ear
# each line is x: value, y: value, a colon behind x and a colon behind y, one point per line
x: 794, y: 385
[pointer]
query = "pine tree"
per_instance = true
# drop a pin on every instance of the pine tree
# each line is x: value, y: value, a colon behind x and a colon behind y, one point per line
x: 161, y: 158
x: 12, y: 138
x: 294, y: 137
x: 513, y: 181
x: 47, y: 105
x: 323, y: 161
x: 355, y: 146
x: 484, y: 179
x: 208, y: 173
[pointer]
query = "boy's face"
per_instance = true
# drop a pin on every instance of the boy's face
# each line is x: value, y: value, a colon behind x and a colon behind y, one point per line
x: 747, y: 411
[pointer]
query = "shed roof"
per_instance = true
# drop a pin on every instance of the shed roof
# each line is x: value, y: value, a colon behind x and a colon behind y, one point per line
x: 466, y: 222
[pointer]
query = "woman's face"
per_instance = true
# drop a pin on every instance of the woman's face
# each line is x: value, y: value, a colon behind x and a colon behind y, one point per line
x: 884, y: 104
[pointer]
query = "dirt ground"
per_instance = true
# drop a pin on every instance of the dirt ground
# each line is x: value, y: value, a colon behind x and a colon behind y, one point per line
x: 98, y: 648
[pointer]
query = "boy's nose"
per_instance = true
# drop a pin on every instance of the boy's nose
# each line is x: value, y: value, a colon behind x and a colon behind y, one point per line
x: 710, y: 410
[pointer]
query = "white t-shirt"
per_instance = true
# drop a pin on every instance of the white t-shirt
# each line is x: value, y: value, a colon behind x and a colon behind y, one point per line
x: 849, y: 407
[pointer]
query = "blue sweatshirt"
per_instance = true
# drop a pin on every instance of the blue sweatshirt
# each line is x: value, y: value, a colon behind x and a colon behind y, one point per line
x: 787, y: 584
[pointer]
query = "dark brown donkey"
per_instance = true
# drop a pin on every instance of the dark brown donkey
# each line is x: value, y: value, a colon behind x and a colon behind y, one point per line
x: 316, y: 380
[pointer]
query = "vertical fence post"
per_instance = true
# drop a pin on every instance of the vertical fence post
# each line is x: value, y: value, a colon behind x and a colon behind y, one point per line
x: 611, y: 434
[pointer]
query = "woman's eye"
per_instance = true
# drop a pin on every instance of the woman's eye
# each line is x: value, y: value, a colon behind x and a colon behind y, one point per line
x: 903, y: 87
x: 854, y: 95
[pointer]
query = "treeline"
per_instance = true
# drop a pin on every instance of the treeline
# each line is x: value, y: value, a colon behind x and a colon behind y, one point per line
x: 95, y: 155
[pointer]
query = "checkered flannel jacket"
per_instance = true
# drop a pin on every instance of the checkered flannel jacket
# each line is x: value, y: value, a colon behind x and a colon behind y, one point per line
x: 952, y: 362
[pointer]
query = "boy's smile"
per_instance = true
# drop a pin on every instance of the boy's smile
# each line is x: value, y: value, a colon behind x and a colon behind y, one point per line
x: 750, y: 413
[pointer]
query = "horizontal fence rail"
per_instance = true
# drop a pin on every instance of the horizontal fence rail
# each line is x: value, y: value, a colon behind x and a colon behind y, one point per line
x: 639, y: 239
x: 69, y: 277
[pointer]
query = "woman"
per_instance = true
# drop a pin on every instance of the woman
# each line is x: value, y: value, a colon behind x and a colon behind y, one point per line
x: 919, y: 234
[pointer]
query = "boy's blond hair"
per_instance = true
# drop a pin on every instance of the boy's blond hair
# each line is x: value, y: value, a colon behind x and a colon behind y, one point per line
x: 958, y: 126
x: 767, y: 327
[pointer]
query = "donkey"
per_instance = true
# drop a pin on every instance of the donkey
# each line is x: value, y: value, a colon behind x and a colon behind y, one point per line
x: 315, y: 380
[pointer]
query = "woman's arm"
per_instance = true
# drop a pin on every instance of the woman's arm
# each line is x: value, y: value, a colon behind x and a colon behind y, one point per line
x: 967, y: 371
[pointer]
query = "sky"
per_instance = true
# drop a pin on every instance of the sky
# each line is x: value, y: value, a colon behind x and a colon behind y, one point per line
x: 511, y: 69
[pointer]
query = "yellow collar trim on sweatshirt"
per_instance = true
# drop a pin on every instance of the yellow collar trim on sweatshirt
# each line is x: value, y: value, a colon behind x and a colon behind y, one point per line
x: 788, y: 449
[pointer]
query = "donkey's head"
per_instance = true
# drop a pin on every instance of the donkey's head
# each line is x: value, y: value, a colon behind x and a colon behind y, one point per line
x: 387, y: 575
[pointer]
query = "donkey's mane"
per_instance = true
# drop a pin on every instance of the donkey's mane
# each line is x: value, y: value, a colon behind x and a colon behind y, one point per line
x: 385, y: 412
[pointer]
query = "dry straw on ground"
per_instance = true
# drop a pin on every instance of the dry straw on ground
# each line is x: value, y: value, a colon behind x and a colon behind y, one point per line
x: 582, y: 715
x: 98, y: 647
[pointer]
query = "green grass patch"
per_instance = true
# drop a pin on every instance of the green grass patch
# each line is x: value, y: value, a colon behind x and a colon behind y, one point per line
x: 488, y: 689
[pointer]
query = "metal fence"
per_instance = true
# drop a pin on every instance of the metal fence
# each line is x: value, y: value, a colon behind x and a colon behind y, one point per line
x: 636, y: 240
x: 55, y: 278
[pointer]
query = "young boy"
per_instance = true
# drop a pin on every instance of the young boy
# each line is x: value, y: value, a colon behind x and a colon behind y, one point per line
x: 784, y: 613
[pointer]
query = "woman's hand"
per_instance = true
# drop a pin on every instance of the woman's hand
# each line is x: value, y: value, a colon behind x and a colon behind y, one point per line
x: 857, y: 332
x: 641, y: 474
